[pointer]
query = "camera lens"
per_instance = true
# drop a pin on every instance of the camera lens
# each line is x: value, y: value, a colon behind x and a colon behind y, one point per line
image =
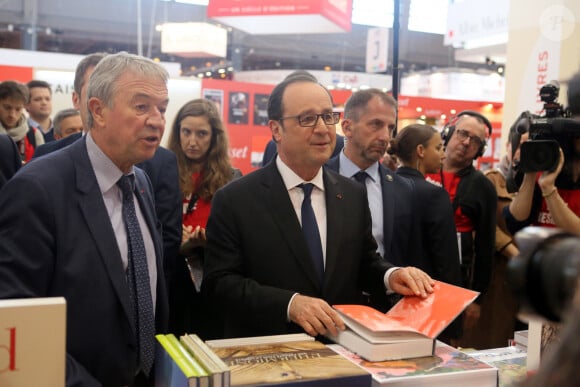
x: 544, y: 276
x: 539, y: 155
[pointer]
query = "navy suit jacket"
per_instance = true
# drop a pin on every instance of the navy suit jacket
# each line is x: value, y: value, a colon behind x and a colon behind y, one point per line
x: 56, y: 239
x: 398, y: 212
x: 162, y: 171
x: 257, y: 257
x: 10, y: 161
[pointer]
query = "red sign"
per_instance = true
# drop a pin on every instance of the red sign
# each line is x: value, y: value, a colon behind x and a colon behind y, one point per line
x: 15, y: 73
x: 338, y: 12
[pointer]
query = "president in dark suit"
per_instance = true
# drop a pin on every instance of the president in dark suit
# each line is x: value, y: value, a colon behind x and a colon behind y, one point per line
x: 10, y: 161
x: 268, y: 272
x: 68, y: 229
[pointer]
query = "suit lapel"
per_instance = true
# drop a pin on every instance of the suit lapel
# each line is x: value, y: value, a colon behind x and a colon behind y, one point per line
x: 388, y: 209
x: 95, y: 213
x: 276, y: 196
x: 334, y: 222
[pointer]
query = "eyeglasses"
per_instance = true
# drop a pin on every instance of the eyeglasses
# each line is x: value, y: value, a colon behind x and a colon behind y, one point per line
x: 310, y: 120
x: 463, y: 135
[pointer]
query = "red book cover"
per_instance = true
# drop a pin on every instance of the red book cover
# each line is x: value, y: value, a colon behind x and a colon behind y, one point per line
x: 425, y: 316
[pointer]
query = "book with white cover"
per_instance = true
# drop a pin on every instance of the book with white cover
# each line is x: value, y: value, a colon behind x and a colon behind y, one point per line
x: 33, y: 342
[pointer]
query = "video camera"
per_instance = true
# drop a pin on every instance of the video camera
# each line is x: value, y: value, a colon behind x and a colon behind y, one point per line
x: 548, y: 133
x: 544, y: 275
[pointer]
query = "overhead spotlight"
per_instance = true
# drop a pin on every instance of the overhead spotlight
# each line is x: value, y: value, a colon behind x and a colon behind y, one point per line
x: 419, y: 109
x: 500, y: 69
x: 453, y: 111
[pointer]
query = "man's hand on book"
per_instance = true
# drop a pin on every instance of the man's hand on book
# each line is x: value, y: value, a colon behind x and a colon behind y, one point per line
x: 315, y: 316
x: 410, y: 281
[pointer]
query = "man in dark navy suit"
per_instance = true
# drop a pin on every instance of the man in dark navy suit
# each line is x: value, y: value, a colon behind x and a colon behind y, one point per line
x: 67, y: 229
x: 161, y: 169
x: 369, y: 120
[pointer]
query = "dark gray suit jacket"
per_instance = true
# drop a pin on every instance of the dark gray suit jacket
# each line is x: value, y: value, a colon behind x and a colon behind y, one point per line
x: 398, y: 228
x: 10, y: 161
x: 56, y: 239
x: 257, y: 257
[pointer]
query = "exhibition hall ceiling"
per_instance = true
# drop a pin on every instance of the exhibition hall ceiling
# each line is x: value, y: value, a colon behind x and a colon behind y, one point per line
x: 85, y: 26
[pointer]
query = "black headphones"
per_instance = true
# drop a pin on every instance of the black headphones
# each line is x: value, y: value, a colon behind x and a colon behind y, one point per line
x: 450, y: 128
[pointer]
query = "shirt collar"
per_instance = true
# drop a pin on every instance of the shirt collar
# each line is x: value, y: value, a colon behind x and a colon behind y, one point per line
x: 349, y: 169
x: 106, y: 172
x: 291, y: 179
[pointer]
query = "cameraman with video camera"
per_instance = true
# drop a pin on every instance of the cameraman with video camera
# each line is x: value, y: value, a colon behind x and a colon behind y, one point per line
x: 553, y: 149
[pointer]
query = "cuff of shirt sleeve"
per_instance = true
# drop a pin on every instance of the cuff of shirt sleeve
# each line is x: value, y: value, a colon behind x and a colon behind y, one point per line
x: 387, y: 277
x: 288, y: 308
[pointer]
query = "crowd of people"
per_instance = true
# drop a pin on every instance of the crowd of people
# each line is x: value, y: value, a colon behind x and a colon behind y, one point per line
x: 141, y: 239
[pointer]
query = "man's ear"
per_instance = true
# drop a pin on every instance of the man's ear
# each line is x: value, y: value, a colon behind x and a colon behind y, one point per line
x: 97, y: 110
x: 346, y: 125
x: 276, y: 129
x: 76, y: 100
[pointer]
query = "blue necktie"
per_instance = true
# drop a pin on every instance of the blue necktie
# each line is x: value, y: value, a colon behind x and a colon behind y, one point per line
x: 311, y: 232
x: 138, y: 277
x: 361, y: 177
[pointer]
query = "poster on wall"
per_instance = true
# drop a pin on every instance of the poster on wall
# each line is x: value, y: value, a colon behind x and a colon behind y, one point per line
x: 217, y: 97
x: 238, y: 111
x: 261, y: 109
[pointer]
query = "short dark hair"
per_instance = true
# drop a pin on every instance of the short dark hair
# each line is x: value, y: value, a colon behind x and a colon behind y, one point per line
x: 275, y: 101
x: 38, y: 83
x: 14, y: 90
x: 357, y: 103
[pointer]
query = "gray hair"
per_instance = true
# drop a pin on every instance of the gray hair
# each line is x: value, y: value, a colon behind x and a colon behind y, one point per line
x: 61, y: 116
x: 102, y: 83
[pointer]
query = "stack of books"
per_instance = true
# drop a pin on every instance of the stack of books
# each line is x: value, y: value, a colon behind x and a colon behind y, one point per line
x: 188, y: 363
x: 510, y: 362
x: 407, y: 330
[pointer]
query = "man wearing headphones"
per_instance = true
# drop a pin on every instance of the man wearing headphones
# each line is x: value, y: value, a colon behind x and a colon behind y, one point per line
x: 474, y: 202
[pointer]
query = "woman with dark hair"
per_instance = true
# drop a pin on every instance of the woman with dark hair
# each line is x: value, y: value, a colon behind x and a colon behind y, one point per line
x: 419, y: 150
x: 199, y: 140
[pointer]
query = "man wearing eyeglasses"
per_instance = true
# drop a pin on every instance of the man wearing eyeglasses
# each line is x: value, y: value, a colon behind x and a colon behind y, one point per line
x: 293, y: 238
x: 474, y: 201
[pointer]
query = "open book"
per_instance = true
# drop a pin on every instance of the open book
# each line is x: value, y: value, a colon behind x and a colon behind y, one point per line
x: 407, y: 330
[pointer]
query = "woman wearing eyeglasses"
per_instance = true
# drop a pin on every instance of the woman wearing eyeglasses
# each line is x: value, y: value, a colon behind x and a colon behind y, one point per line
x: 419, y: 149
x: 200, y: 142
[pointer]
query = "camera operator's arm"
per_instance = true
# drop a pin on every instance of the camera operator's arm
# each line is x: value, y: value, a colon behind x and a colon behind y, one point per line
x: 521, y: 205
x: 563, y: 216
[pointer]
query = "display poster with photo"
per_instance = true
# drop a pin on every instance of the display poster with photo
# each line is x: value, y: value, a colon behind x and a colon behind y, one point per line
x: 261, y: 109
x: 217, y: 97
x: 238, y: 107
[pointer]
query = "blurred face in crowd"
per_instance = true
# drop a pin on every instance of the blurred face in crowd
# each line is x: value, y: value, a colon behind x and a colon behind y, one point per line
x: 195, y: 137
x: 433, y: 154
x: 369, y: 137
x: 69, y: 125
x: 129, y: 128
x: 468, y: 137
x: 10, y: 112
x: 80, y: 101
x: 304, y: 149
x: 40, y: 105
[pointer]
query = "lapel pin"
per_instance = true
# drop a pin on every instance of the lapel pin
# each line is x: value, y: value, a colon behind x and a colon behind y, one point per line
x: 389, y: 178
x: 339, y: 196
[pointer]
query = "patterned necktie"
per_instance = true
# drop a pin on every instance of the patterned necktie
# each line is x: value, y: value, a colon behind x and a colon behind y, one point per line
x: 361, y: 177
x: 311, y: 233
x: 138, y: 277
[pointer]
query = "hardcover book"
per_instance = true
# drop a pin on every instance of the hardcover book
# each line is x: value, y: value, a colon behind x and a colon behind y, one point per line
x: 407, y: 330
x: 33, y: 342
x: 447, y: 367
x: 510, y: 362
x: 218, y: 371
x: 175, y: 367
x: 293, y: 363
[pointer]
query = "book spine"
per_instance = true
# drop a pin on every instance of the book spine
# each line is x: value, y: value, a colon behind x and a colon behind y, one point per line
x: 193, y: 367
x: 214, y: 371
